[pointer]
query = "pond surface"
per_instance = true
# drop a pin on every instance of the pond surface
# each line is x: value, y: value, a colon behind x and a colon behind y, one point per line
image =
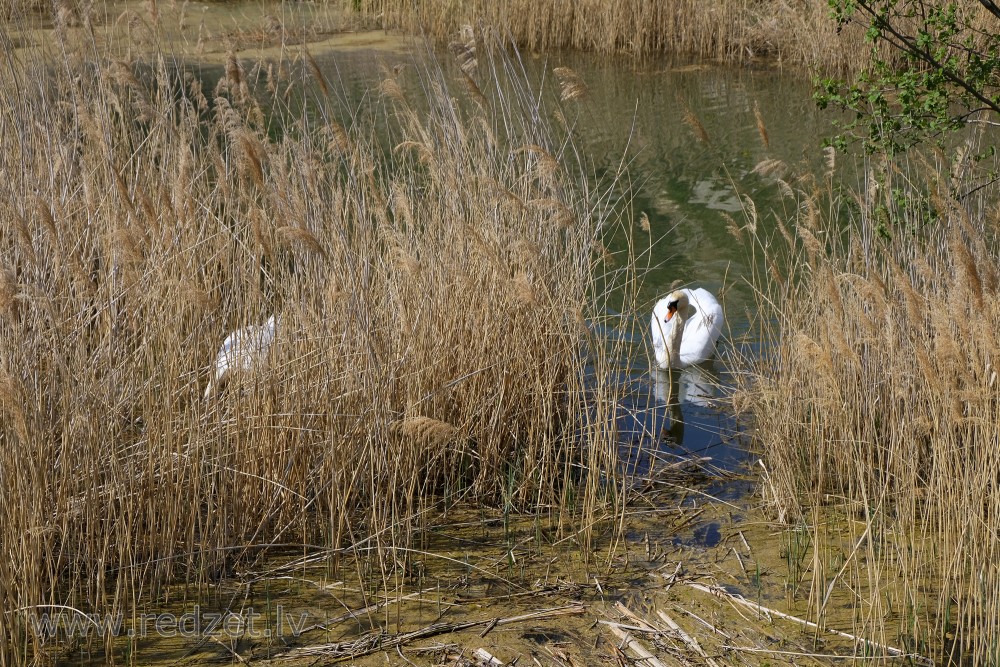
x: 691, y: 189
x: 686, y: 186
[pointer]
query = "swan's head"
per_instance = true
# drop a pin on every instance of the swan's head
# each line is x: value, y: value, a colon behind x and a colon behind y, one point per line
x: 675, y: 301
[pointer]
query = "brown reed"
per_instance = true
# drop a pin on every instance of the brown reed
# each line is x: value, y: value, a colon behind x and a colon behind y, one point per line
x: 875, y: 409
x: 798, y: 35
x: 429, y: 347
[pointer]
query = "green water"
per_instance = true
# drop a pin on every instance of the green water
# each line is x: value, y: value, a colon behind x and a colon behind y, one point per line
x: 689, y: 188
x: 686, y: 187
x: 635, y: 115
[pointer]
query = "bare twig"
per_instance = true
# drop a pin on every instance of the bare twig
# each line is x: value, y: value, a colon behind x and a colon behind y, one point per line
x: 380, y: 641
x: 760, y: 609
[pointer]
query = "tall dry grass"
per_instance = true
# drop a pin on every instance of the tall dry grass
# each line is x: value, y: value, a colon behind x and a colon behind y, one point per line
x: 797, y: 34
x: 876, y: 410
x: 433, y: 346
x: 16, y: 8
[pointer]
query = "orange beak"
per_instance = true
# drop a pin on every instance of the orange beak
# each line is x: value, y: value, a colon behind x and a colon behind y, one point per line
x: 670, y: 312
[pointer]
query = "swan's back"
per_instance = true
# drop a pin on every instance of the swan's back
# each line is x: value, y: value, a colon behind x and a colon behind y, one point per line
x: 242, y: 350
x: 702, y: 328
x: 245, y: 348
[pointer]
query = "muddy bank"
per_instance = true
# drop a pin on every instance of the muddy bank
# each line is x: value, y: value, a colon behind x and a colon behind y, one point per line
x: 206, y: 32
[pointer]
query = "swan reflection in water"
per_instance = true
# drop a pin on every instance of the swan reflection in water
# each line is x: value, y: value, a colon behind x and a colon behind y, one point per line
x: 696, y: 386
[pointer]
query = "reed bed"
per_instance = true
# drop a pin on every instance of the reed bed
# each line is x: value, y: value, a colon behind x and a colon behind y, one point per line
x: 796, y: 34
x: 433, y: 264
x: 876, y: 409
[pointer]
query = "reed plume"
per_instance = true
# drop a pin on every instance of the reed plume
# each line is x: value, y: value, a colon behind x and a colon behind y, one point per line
x: 878, y: 402
x: 418, y: 350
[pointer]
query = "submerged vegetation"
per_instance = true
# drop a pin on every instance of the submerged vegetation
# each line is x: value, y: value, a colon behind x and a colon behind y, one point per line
x: 434, y: 300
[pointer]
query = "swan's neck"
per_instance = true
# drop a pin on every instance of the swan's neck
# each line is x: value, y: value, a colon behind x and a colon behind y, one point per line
x: 674, y: 338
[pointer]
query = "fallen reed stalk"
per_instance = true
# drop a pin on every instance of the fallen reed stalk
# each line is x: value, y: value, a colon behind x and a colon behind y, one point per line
x: 381, y: 641
x: 719, y: 592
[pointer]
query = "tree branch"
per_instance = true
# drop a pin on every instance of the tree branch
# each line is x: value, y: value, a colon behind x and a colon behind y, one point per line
x: 906, y: 44
x: 991, y: 7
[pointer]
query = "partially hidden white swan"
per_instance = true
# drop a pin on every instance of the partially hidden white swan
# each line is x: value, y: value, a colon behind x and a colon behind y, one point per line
x: 243, y: 350
x: 686, y: 324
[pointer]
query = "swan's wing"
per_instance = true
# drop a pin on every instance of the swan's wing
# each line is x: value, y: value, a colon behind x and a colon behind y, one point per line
x: 241, y: 351
x: 223, y: 361
x: 267, y: 334
x: 237, y: 351
x: 703, y: 328
x: 228, y: 351
x: 709, y: 313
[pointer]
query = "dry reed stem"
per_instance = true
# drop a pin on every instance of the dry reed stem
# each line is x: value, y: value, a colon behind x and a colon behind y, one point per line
x: 317, y: 73
x: 644, y: 222
x: 692, y: 121
x: 301, y: 237
x: 797, y: 35
x: 8, y: 289
x: 427, y: 432
x: 761, y: 127
x: 126, y: 267
x: 881, y: 392
x: 770, y: 167
x: 571, y: 84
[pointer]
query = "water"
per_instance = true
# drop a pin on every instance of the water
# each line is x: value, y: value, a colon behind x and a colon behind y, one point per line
x: 688, y: 187
x: 685, y: 187
x: 691, y: 190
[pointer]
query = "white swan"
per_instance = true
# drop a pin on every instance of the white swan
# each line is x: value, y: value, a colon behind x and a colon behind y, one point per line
x: 243, y: 350
x: 686, y: 324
